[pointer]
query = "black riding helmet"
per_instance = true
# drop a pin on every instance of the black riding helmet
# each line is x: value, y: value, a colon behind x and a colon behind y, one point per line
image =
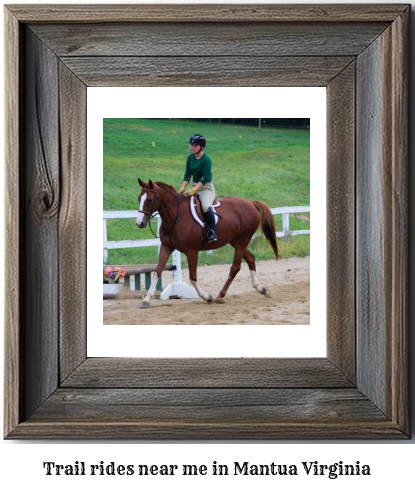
x: 198, y: 139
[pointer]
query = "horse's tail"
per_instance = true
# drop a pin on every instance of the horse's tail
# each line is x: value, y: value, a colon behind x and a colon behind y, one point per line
x: 267, y: 225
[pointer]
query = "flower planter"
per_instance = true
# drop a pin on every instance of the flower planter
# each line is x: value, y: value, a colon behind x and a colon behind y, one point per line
x: 111, y: 285
x: 111, y: 288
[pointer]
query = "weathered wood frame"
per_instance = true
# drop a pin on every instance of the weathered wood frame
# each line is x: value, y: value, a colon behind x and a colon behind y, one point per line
x: 359, y: 52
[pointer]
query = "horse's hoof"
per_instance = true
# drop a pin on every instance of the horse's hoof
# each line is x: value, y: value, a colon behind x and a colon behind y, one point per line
x: 219, y: 300
x: 209, y: 298
x: 263, y: 291
x: 144, y: 304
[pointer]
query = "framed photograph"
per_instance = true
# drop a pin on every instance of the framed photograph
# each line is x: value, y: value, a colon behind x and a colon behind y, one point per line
x: 55, y: 55
x: 276, y: 162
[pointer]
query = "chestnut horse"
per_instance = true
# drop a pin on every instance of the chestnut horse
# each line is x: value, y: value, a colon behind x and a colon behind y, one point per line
x: 240, y: 219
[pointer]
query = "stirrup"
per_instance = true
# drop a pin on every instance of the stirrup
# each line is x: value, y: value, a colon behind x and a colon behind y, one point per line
x: 212, y: 237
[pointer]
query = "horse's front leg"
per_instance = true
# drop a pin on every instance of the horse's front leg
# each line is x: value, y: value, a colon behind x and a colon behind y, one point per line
x: 165, y: 252
x: 192, y: 258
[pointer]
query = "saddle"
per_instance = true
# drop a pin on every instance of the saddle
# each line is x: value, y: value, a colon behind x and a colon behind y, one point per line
x: 196, y: 208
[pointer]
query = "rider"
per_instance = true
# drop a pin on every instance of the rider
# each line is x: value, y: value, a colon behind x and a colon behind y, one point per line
x: 199, y: 165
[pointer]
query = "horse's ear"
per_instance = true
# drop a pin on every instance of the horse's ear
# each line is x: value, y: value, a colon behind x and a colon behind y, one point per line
x: 150, y: 184
x: 140, y: 183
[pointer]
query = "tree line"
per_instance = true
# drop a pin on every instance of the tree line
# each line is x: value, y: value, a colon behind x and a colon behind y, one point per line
x: 283, y: 123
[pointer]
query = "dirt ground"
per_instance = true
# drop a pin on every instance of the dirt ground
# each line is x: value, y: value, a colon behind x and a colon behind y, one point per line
x: 287, y: 300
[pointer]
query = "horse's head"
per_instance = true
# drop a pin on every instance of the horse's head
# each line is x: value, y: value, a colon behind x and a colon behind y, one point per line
x: 149, y: 203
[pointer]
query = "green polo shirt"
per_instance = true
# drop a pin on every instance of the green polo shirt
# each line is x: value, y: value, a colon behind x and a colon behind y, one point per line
x: 200, y: 169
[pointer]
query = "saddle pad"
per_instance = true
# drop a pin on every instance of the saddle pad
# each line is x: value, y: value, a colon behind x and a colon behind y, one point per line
x: 193, y: 208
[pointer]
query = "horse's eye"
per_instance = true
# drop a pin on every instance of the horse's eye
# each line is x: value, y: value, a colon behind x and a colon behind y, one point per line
x: 150, y: 201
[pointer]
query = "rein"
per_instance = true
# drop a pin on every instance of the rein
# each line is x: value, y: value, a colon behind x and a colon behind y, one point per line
x: 151, y: 215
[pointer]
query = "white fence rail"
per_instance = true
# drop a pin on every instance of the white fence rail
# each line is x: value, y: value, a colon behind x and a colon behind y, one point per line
x: 132, y: 214
x: 125, y: 214
x: 286, y: 211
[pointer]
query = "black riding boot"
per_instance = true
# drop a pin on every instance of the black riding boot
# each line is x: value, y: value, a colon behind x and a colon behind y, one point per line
x: 210, y: 220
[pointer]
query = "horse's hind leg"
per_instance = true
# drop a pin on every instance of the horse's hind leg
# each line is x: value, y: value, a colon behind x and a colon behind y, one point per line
x: 250, y: 261
x: 192, y: 259
x: 236, y: 266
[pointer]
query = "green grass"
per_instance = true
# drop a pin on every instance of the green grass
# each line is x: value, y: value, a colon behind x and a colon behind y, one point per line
x: 269, y: 164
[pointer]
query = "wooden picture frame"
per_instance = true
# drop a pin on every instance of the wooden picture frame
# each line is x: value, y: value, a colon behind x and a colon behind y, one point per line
x: 360, y: 53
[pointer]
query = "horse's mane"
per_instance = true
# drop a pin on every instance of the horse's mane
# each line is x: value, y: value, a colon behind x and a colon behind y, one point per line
x: 164, y: 186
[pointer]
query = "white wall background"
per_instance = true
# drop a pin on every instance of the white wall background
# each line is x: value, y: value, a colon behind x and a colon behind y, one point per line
x: 390, y: 462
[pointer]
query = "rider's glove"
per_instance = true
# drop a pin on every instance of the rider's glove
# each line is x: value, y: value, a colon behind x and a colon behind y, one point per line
x: 181, y: 190
x: 191, y: 192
